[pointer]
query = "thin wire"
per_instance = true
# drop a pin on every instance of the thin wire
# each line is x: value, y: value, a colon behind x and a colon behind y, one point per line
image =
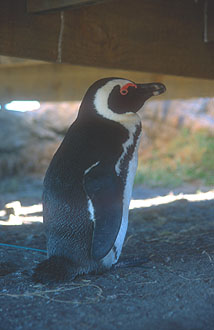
x: 205, y: 20
x: 23, y: 247
x: 61, y: 30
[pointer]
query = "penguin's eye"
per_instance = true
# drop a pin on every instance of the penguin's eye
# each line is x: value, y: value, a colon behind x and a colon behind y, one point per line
x: 124, y: 89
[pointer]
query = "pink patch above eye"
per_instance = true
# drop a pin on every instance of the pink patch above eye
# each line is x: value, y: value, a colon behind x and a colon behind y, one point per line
x: 124, y: 89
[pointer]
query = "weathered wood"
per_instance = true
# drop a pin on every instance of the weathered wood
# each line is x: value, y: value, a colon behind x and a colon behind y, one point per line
x: 209, y: 21
x: 38, y: 6
x: 162, y: 36
x: 10, y: 61
x: 62, y: 82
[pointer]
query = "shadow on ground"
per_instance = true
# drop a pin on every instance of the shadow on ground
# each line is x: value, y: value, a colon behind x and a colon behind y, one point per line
x: 173, y: 290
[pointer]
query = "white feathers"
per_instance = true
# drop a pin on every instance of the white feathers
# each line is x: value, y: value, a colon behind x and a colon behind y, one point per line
x: 128, y: 143
x: 90, y: 204
x: 113, y: 256
x: 130, y: 121
x: 92, y: 166
x: 91, y: 210
x: 101, y: 104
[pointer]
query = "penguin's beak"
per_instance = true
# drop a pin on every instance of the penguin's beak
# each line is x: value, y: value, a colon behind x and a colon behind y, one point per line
x: 151, y: 89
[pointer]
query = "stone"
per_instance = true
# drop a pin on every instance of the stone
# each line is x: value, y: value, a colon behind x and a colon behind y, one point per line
x: 29, y: 140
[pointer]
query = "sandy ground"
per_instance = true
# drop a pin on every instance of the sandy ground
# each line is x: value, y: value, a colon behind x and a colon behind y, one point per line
x: 173, y: 289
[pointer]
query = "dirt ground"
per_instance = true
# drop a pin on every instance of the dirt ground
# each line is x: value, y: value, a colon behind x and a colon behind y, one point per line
x: 173, y: 289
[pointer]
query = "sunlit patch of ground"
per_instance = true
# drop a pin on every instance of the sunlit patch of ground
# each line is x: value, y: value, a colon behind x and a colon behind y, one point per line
x: 199, y: 196
x: 16, y: 214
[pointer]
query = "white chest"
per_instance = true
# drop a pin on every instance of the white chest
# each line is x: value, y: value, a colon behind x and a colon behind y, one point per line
x: 113, y: 256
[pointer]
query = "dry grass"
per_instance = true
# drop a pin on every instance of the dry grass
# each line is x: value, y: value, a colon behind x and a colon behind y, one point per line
x: 186, y: 158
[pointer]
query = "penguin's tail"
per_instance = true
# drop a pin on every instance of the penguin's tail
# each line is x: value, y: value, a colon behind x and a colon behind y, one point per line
x: 54, y: 269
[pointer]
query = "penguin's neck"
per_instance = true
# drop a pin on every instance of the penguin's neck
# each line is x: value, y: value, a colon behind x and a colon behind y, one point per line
x: 129, y: 119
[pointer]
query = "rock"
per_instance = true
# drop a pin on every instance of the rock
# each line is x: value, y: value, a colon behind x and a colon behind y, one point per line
x: 56, y: 117
x: 28, y: 140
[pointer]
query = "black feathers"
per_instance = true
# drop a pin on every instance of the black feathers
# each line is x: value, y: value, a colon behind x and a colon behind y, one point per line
x: 54, y: 269
x: 87, y: 187
x: 105, y: 190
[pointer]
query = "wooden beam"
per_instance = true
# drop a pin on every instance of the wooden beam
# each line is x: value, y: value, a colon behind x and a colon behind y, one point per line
x: 63, y: 82
x: 160, y: 36
x: 209, y: 21
x: 38, y: 6
x: 14, y: 61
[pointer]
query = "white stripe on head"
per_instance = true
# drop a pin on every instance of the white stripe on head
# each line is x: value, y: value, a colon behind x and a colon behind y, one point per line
x: 101, y: 104
x: 129, y: 120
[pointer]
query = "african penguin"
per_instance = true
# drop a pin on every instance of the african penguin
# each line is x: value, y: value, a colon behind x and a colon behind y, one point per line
x: 88, y: 185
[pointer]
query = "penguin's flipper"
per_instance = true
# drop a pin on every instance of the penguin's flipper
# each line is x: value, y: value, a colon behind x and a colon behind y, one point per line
x: 103, y: 188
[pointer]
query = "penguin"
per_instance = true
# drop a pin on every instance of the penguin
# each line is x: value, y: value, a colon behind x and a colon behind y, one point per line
x: 88, y: 184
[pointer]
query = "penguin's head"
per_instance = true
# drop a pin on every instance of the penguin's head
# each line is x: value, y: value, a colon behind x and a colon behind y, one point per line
x: 113, y: 97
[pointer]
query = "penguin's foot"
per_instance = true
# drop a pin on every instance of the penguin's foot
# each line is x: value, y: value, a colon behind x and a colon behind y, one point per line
x: 134, y: 262
x: 55, y: 269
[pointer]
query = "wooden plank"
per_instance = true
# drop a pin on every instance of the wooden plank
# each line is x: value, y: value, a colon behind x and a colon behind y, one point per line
x: 162, y: 36
x: 14, y: 61
x: 209, y: 21
x: 63, y: 82
x: 38, y: 6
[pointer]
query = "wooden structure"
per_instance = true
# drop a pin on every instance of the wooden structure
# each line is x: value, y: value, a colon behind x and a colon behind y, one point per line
x: 161, y: 37
x: 65, y: 82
